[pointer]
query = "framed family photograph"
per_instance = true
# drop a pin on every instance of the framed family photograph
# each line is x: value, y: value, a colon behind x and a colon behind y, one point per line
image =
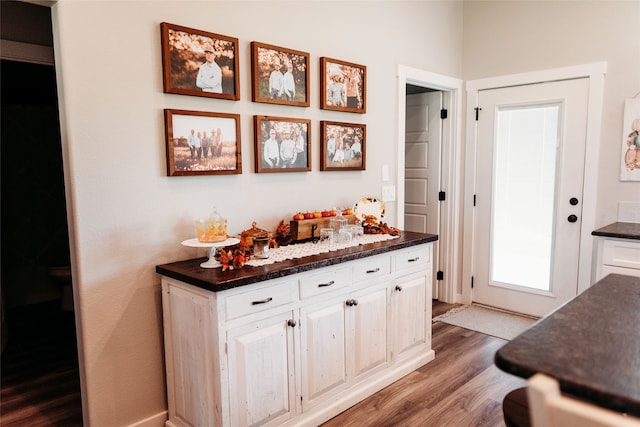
x: 343, y: 86
x: 201, y: 143
x: 279, y: 75
x: 343, y: 146
x: 282, y: 144
x: 199, y: 63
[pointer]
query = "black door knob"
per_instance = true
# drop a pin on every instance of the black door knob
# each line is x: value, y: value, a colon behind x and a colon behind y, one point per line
x: 573, y: 201
x: 572, y: 218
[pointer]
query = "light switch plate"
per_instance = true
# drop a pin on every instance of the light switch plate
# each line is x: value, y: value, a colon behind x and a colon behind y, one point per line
x: 388, y: 193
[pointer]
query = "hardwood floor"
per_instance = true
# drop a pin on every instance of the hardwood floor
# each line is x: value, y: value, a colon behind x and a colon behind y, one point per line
x: 40, y: 383
x: 460, y: 388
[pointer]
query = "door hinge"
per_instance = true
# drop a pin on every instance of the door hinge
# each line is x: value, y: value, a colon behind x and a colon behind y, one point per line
x: 471, y: 282
x: 474, y: 200
x: 443, y: 113
x: 440, y: 275
x: 477, y: 112
x: 441, y: 196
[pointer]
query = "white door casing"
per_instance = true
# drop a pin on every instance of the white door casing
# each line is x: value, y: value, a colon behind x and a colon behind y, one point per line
x: 595, y: 75
x: 451, y: 174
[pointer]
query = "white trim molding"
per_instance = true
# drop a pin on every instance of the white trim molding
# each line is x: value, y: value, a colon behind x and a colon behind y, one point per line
x: 451, y: 174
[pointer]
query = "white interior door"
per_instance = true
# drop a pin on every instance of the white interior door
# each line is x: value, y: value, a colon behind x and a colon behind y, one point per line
x: 530, y: 158
x: 423, y: 140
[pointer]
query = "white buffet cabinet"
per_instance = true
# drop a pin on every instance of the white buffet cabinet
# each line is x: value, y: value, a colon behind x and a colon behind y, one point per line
x: 299, y: 349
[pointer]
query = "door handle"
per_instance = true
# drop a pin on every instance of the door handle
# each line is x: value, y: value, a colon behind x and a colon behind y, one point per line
x: 572, y: 218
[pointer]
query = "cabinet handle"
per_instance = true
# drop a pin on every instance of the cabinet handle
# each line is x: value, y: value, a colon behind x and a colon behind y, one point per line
x: 351, y: 302
x: 263, y: 301
x: 375, y: 270
x: 322, y: 285
x: 398, y: 288
x: 291, y: 323
x: 413, y: 259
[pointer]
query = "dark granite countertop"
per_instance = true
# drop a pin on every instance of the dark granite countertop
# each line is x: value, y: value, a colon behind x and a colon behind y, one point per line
x: 591, y: 345
x: 622, y: 230
x: 214, y: 279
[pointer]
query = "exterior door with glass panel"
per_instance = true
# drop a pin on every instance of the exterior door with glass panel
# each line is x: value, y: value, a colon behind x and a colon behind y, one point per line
x: 529, y: 183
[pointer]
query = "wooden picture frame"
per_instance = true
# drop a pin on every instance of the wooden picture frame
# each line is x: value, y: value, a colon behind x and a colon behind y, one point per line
x: 343, y: 86
x: 351, y: 137
x: 281, y: 144
x: 199, y: 63
x: 187, y: 153
x: 291, y: 87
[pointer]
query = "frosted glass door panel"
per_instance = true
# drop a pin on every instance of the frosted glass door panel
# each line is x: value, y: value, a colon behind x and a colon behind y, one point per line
x: 524, y: 195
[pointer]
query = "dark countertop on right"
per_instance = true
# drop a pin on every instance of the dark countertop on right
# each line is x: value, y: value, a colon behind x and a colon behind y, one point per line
x: 591, y: 345
x: 621, y: 230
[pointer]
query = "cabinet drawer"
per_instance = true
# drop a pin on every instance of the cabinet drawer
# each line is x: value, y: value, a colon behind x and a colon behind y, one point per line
x: 413, y: 258
x: 260, y: 299
x: 621, y: 253
x: 326, y: 281
x: 373, y: 267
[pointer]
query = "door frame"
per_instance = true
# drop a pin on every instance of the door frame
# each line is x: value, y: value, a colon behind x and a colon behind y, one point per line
x: 451, y: 171
x: 595, y: 72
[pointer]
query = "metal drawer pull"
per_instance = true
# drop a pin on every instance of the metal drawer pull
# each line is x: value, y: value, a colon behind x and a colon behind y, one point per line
x: 264, y: 301
x: 413, y: 259
x: 322, y: 285
x: 375, y: 270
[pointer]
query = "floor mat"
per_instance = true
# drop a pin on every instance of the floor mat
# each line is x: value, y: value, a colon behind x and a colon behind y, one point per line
x: 488, y: 320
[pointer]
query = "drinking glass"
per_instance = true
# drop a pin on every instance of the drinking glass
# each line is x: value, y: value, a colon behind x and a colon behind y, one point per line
x: 327, y: 236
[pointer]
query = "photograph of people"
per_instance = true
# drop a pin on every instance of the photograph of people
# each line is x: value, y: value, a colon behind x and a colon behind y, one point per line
x: 343, y: 86
x: 279, y: 75
x: 202, y: 152
x: 199, y: 63
x: 343, y: 147
x: 209, y: 75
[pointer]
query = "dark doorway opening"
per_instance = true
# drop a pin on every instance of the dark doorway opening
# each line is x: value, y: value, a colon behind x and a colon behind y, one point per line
x: 39, y: 369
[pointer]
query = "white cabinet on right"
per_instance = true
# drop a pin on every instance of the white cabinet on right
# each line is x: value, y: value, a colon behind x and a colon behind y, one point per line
x: 621, y: 256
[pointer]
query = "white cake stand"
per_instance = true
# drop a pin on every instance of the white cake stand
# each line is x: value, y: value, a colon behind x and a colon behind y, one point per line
x: 213, y: 247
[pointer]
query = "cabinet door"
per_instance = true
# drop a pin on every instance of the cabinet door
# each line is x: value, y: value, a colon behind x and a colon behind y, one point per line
x: 411, y: 314
x: 323, y: 359
x: 190, y: 358
x: 367, y: 319
x: 262, y: 371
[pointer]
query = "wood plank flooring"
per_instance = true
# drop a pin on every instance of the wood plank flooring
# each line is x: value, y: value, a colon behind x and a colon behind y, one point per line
x: 460, y: 388
x: 40, y: 382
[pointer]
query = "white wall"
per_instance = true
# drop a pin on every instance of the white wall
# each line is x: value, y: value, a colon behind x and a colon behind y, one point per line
x: 505, y: 37
x: 127, y: 216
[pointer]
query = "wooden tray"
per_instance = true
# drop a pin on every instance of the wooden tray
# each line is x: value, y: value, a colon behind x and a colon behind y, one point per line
x: 302, y: 229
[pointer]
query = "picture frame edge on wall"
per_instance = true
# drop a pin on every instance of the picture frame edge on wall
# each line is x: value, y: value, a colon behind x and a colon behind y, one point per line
x: 258, y: 150
x: 169, y: 87
x: 255, y: 75
x: 170, y: 148
x: 324, y: 87
x: 324, y: 167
